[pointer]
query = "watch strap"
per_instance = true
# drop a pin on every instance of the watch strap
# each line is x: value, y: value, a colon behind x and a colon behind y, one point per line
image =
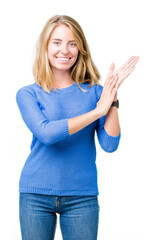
x: 115, y: 104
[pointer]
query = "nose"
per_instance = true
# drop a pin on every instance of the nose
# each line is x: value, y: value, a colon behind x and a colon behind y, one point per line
x: 64, y: 48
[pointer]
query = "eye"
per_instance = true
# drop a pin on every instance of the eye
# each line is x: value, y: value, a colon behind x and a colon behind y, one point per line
x: 72, y: 44
x: 56, y: 43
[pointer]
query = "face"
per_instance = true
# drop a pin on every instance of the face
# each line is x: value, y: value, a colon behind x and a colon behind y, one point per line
x: 62, y: 48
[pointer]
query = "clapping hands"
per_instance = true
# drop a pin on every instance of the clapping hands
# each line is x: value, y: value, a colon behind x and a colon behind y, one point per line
x: 126, y: 69
x: 113, y: 82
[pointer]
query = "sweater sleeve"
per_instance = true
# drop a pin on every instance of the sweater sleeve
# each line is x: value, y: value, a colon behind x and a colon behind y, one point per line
x: 47, y: 132
x: 107, y: 142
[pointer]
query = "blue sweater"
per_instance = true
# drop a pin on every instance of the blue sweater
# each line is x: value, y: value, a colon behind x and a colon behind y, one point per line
x: 60, y: 163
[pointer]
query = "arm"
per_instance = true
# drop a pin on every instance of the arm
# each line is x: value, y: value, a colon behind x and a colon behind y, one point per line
x: 49, y: 132
x: 77, y: 123
x: 112, y: 125
x: 112, y: 122
x: 108, y: 129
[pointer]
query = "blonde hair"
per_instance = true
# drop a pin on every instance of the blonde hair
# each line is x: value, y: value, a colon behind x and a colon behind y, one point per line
x: 83, y: 70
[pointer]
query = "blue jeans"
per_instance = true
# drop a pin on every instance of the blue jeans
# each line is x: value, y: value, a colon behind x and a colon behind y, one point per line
x: 79, y: 216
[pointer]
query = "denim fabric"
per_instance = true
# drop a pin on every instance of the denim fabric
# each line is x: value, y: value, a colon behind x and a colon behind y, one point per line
x: 79, y: 216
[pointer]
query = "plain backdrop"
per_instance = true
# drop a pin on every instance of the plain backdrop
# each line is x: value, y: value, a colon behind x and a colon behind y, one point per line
x: 115, y: 31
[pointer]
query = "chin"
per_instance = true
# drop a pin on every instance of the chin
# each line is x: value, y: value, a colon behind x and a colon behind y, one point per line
x: 63, y: 68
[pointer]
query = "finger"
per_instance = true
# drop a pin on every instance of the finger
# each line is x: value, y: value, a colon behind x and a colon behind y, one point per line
x: 113, y: 78
x: 110, y: 73
x: 114, y: 82
x: 108, y: 80
x: 115, y: 89
x: 126, y: 64
x: 125, y: 76
x: 111, y: 84
x: 128, y: 70
x: 111, y: 70
x: 132, y: 63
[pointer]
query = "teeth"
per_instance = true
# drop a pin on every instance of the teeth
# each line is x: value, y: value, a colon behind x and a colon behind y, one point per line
x: 63, y: 59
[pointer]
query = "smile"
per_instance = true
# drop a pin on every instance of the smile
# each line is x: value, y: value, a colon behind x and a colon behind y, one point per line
x: 63, y: 59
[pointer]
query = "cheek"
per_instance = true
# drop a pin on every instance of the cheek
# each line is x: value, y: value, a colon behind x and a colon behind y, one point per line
x: 52, y: 51
x: 75, y: 53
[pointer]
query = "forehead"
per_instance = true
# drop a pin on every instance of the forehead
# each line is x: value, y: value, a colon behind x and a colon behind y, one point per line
x: 62, y: 32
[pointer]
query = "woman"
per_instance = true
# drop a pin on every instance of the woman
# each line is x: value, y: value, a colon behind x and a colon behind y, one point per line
x: 63, y: 109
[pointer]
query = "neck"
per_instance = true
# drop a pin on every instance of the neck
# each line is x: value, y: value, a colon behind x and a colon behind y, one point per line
x: 61, y: 78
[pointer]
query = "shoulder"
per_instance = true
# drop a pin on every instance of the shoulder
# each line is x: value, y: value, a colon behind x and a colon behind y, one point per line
x: 99, y: 89
x: 95, y: 89
x: 26, y: 88
x: 96, y: 86
x: 26, y: 92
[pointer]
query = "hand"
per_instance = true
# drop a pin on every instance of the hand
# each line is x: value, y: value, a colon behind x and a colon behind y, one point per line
x: 113, y: 82
x: 126, y: 69
x: 108, y: 93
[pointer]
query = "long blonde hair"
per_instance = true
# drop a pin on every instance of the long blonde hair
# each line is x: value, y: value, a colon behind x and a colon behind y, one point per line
x: 83, y: 70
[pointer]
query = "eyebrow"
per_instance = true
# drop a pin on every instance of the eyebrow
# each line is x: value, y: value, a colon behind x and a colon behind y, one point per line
x: 61, y: 40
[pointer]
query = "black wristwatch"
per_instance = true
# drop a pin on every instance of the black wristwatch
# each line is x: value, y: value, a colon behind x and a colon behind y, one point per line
x: 115, y: 104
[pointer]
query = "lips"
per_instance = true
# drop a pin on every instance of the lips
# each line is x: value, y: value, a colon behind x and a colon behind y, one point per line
x: 63, y: 58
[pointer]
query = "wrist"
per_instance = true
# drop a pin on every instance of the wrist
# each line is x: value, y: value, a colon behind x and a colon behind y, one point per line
x: 98, y: 114
x: 115, y: 98
x: 115, y: 104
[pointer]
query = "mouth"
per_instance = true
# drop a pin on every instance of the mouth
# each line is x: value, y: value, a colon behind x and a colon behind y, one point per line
x: 63, y: 59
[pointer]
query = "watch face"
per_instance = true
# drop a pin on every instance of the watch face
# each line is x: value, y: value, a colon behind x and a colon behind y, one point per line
x: 115, y: 104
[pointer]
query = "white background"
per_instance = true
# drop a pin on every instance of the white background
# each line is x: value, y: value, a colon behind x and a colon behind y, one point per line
x: 115, y: 31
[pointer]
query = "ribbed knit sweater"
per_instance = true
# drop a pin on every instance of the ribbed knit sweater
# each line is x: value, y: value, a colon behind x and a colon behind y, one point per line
x: 60, y: 163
